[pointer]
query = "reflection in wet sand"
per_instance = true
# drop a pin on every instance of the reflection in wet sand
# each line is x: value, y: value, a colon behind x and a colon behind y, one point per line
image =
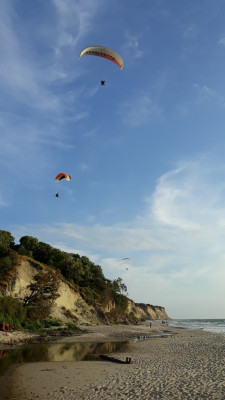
x: 57, y: 352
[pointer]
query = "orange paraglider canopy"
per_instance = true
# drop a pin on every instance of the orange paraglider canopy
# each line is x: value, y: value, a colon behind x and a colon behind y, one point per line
x: 61, y: 175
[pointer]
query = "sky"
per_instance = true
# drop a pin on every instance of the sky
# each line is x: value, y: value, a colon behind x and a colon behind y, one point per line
x: 145, y: 151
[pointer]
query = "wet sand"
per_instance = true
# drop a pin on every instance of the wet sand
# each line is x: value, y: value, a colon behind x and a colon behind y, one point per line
x: 187, y: 365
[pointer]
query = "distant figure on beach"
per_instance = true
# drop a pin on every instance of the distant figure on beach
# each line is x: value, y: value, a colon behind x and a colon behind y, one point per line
x: 150, y: 324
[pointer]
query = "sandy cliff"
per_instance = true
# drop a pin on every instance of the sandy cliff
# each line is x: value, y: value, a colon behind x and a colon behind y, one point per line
x: 71, y: 305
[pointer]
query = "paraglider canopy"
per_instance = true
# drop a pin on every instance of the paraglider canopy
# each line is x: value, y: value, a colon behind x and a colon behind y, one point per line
x: 124, y: 261
x: 61, y: 176
x: 104, y: 52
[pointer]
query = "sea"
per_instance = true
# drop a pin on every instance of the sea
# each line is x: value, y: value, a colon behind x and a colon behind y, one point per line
x: 211, y: 325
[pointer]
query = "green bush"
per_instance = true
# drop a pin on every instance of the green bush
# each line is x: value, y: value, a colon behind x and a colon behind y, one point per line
x: 56, y: 322
x: 13, y: 308
x: 8, y: 261
x: 32, y: 325
x: 48, y: 323
x: 4, y: 251
x: 72, y: 327
x: 13, y: 321
x: 43, y: 334
x: 121, y: 302
x: 6, y: 238
x: 24, y: 252
x: 91, y: 296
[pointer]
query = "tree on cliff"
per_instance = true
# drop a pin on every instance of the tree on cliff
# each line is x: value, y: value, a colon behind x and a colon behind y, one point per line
x: 27, y: 245
x: 43, y: 293
x: 8, y: 262
x: 6, y: 239
x: 119, y: 286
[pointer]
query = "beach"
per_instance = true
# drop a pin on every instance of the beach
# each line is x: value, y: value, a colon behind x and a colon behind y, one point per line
x: 185, y: 365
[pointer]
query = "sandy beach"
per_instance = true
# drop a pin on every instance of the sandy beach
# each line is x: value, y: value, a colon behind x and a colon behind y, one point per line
x: 187, y: 365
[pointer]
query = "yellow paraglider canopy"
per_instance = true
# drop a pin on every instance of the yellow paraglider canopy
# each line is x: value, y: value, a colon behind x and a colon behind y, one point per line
x: 104, y: 52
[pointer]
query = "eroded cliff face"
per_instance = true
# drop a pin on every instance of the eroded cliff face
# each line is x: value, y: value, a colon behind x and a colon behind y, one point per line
x: 71, y: 305
x: 153, y: 312
x: 144, y: 312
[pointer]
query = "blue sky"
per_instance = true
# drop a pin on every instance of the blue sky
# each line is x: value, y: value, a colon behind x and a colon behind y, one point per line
x: 145, y: 151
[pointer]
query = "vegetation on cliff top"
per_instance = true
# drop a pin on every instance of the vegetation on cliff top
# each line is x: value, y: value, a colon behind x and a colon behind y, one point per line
x: 80, y: 272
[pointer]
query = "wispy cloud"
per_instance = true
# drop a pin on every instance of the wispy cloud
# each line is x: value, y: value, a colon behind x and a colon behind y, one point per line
x: 131, y: 48
x: 205, y: 93
x: 189, y: 31
x: 139, y: 110
x: 35, y: 79
x: 177, y: 241
x: 172, y: 192
x: 79, y: 14
x: 16, y: 71
x: 186, y: 206
x: 222, y: 41
x: 28, y: 76
x: 2, y: 202
x: 90, y: 133
x: 83, y: 166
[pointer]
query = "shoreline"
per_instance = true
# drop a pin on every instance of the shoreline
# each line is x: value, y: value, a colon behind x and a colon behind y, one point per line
x: 187, y: 365
x: 17, y: 338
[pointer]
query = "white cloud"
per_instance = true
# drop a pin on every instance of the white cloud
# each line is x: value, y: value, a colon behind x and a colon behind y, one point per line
x: 172, y: 193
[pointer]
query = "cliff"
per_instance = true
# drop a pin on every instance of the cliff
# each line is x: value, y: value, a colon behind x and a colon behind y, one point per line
x: 153, y: 312
x: 71, y: 304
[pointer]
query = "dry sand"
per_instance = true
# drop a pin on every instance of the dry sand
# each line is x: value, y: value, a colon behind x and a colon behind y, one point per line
x: 188, y: 365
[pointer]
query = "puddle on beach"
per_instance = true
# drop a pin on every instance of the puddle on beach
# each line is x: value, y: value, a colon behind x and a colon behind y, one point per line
x: 83, y: 351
